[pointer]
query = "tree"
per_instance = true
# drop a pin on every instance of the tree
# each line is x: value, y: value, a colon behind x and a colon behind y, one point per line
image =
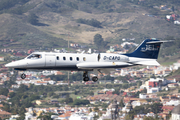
x: 108, y: 77
x: 116, y: 91
x: 6, y: 107
x: 90, y: 110
x: 45, y: 117
x: 149, y: 118
x: 22, y: 110
x: 121, y: 104
x: 172, y: 8
x: 96, y: 109
x: 76, y: 92
x: 139, y: 83
x: 21, y: 118
x: 4, y: 91
x: 68, y: 99
x: 104, y: 106
x: 156, y: 108
x: 91, y: 93
x: 144, y: 90
x: 81, y: 102
x: 99, y: 42
x: 22, y: 88
x: 125, y: 85
x: 128, y: 117
x: 50, y: 94
x: 33, y: 19
x: 92, y: 22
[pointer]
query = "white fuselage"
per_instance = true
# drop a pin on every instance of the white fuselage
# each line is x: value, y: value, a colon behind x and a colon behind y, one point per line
x: 70, y: 61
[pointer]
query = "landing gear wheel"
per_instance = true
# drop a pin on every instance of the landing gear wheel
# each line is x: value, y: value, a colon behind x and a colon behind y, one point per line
x: 86, y: 79
x: 95, y: 79
x: 23, y: 76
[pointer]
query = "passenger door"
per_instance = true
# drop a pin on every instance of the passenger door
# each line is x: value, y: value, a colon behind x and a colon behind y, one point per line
x: 50, y: 60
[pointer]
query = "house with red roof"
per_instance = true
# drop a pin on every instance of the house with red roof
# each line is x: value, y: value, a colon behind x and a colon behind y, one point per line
x: 167, y: 109
x: 4, y: 114
x: 64, y: 116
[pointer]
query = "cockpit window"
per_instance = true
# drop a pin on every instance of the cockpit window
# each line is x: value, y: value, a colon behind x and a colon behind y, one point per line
x: 35, y: 56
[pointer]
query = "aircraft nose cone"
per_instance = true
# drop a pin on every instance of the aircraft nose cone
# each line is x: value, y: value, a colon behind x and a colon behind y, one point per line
x: 10, y: 65
x: 6, y: 65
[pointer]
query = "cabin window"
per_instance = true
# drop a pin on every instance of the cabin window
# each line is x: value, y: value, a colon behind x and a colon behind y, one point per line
x: 64, y: 58
x: 84, y: 59
x: 77, y: 58
x: 34, y: 56
x: 57, y: 57
x: 71, y: 58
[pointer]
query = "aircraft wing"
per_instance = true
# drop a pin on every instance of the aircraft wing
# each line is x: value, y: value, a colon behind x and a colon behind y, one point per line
x: 95, y: 65
x: 147, y: 62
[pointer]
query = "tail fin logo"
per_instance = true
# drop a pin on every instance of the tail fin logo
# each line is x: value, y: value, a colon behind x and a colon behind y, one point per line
x: 150, y: 48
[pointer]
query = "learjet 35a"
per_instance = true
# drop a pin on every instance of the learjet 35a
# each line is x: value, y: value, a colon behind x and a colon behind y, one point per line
x: 145, y: 54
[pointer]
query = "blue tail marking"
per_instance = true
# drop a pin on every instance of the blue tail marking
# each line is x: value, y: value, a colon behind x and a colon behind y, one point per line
x: 149, y: 49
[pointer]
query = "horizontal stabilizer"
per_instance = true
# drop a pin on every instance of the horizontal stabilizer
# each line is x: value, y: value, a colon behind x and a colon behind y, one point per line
x: 148, y: 62
x: 156, y: 42
x: 92, y: 65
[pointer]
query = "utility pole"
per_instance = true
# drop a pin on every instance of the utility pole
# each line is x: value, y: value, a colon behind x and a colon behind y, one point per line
x: 68, y: 51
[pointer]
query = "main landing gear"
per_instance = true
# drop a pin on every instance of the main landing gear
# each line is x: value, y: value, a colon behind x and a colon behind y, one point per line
x: 86, y: 78
x: 95, y: 78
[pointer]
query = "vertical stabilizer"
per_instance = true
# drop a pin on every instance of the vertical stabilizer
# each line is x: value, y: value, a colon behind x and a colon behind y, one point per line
x: 149, y: 49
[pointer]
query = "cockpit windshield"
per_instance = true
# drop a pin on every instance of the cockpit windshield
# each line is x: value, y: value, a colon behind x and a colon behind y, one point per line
x: 34, y: 56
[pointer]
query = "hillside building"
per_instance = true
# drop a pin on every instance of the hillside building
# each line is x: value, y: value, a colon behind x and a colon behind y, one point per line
x: 176, y: 113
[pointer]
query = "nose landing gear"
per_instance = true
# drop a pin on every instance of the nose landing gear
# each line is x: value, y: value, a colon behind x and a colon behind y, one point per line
x: 23, y: 76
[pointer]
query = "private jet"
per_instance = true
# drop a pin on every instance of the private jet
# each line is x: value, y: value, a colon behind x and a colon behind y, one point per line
x: 145, y: 54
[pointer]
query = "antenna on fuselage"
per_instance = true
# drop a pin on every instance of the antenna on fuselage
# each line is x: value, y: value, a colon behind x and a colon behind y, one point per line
x: 89, y: 51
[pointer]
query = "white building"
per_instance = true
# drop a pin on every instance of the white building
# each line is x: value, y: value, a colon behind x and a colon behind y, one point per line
x: 51, y: 82
x: 176, y: 65
x: 177, y: 22
x: 1, y: 58
x: 168, y: 16
x: 127, y: 108
x: 80, y: 116
x: 154, y: 85
x: 151, y: 114
x: 106, y: 116
x: 142, y: 96
x: 176, y: 113
x: 30, y: 115
x: 46, y: 72
x: 153, y: 89
x: 172, y: 103
x: 162, y: 80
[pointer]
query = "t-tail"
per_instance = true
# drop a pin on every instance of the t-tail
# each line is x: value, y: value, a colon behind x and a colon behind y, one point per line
x: 146, y: 53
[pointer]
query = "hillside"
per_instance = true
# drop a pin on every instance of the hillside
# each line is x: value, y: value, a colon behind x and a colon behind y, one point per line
x: 55, y: 21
